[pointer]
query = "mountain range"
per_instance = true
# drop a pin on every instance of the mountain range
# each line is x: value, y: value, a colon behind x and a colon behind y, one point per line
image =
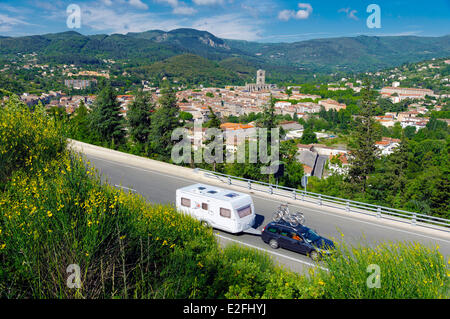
x: 283, y: 61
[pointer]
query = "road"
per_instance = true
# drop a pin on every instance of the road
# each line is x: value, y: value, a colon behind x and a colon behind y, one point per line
x: 159, y: 187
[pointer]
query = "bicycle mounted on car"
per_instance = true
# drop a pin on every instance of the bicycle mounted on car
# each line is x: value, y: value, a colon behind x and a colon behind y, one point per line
x: 294, y: 219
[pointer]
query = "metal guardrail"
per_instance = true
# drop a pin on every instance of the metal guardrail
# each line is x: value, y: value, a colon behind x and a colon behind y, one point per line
x: 341, y: 203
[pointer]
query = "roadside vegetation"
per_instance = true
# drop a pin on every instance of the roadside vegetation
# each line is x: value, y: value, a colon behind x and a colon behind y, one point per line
x: 55, y: 212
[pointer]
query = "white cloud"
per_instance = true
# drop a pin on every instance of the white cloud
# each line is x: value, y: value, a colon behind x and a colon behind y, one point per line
x: 306, y: 6
x: 107, y: 19
x: 285, y: 15
x: 230, y: 26
x: 302, y: 14
x: 107, y: 2
x: 350, y: 13
x: 15, y: 10
x: 259, y: 8
x: 185, y: 10
x: 7, y: 23
x: 101, y: 18
x: 46, y: 5
x: 207, y: 2
x: 173, y: 3
x: 134, y: 3
x: 138, y: 4
x: 178, y: 7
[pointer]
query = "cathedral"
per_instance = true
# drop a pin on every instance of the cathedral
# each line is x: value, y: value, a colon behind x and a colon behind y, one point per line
x: 260, y: 84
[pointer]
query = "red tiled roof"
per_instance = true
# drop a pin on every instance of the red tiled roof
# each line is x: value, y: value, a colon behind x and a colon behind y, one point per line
x: 235, y: 126
x: 307, y: 169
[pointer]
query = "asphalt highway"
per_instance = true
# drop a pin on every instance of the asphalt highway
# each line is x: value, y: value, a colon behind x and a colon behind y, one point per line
x: 160, y: 187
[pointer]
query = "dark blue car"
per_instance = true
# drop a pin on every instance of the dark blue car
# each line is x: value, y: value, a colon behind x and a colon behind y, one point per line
x: 300, y: 239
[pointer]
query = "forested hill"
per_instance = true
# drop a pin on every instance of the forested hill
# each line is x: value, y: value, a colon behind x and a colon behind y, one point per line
x: 352, y: 54
x: 190, y: 69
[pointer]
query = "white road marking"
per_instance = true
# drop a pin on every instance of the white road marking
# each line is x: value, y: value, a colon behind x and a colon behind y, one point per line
x: 130, y: 189
x: 271, y: 252
x: 265, y: 198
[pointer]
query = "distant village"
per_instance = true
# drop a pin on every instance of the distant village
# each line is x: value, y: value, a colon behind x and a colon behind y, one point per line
x: 251, y: 98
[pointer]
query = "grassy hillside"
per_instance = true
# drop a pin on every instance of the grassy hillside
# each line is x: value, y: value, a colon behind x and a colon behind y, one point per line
x: 55, y: 212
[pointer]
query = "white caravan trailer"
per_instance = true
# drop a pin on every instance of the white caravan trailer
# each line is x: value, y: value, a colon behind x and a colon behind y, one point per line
x: 219, y: 208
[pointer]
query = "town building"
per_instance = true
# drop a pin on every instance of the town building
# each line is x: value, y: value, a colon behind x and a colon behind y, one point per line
x: 79, y: 84
x: 330, y: 104
x: 398, y: 94
x: 260, y: 84
x: 387, y: 145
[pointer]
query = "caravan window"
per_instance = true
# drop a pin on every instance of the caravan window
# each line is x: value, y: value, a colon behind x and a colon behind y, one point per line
x: 204, y: 206
x: 225, y: 213
x: 186, y: 202
x: 245, y: 211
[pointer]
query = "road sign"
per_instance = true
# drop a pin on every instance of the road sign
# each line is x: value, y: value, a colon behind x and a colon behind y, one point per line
x: 304, y: 181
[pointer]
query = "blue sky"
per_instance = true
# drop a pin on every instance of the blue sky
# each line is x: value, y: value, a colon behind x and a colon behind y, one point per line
x: 253, y: 20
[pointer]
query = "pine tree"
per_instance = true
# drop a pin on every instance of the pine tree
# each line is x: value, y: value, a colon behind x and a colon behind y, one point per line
x: 164, y: 120
x: 323, y: 113
x: 211, y: 145
x: 293, y: 171
x: 308, y: 136
x: 365, y: 152
x: 268, y: 117
x: 80, y: 123
x: 106, y: 119
x: 268, y: 120
x: 397, y: 166
x: 139, y: 117
x: 214, y: 121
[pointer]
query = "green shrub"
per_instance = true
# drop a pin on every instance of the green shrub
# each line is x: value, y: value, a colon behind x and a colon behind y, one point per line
x: 28, y: 139
x: 124, y: 246
x: 407, y: 270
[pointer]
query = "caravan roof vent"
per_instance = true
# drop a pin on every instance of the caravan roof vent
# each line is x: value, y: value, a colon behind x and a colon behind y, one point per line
x: 212, y: 192
x: 232, y: 195
x: 201, y: 188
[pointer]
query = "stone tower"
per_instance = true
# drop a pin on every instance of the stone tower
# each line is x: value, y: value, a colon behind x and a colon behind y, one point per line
x: 261, y: 77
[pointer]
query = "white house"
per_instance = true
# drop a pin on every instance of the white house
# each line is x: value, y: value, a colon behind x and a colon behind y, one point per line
x: 387, y: 145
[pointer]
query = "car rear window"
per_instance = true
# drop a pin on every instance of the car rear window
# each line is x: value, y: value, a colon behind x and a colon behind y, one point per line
x: 245, y: 211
